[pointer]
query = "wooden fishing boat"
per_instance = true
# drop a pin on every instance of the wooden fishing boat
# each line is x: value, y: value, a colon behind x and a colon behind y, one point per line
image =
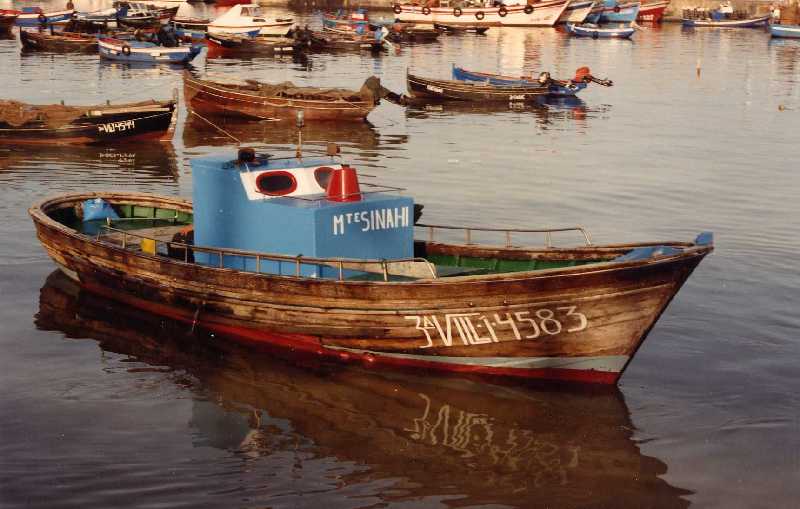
x: 652, y: 11
x: 542, y: 13
x: 411, y: 32
x: 57, y: 41
x: 133, y: 51
x: 241, y: 19
x: 786, y: 31
x: 59, y: 124
x: 614, y: 11
x: 460, y: 29
x: 223, y: 44
x: 570, y: 87
x: 598, y: 32
x: 335, y: 41
x: 577, y: 313
x: 7, y: 19
x: 257, y: 100
x: 576, y: 11
x: 140, y: 15
x: 725, y: 16
x: 427, y: 89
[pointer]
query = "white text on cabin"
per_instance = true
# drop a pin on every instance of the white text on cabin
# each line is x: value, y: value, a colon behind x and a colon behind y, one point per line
x: 370, y: 220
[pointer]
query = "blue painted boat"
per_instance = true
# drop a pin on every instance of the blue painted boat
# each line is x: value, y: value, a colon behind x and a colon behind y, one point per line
x: 597, y: 32
x: 619, y: 12
x: 787, y: 31
x: 557, y: 87
x: 145, y: 52
x: 35, y: 16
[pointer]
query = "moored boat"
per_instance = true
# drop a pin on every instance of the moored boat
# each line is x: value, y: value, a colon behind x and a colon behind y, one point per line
x: 41, y: 40
x: 569, y: 87
x: 34, y: 16
x: 459, y: 29
x: 336, y: 41
x: 615, y: 11
x: 652, y: 10
x: 787, y: 31
x: 133, y: 51
x: 427, y: 89
x: 241, y: 19
x: 365, y: 290
x: 543, y: 13
x: 725, y: 16
x: 22, y: 123
x: 221, y: 44
x: 411, y: 32
x: 257, y: 100
x: 7, y: 19
x: 598, y: 32
x: 576, y: 11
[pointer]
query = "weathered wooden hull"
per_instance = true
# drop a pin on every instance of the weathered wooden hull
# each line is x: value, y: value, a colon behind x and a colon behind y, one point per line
x: 582, y: 323
x: 544, y: 13
x: 454, y: 90
x: 156, y: 123
x: 43, y: 41
x: 215, y: 98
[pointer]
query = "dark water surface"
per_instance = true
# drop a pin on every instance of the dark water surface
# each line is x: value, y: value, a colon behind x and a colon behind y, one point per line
x: 101, y: 406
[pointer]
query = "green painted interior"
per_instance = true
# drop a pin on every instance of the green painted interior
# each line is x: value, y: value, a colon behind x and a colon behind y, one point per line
x: 499, y: 265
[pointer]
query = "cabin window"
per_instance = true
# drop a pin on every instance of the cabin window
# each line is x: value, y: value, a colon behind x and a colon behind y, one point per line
x: 276, y: 183
x: 323, y: 176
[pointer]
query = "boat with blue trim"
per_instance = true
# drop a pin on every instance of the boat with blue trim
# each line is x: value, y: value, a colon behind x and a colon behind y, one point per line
x: 134, y: 51
x: 244, y: 18
x: 619, y: 12
x: 297, y: 254
x: 599, y: 32
x: 786, y: 31
x: 576, y: 11
x: 35, y: 16
x: 570, y: 87
x: 725, y: 16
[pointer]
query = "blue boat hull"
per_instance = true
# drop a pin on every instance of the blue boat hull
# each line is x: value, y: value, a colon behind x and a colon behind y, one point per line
x: 601, y: 33
x: 27, y: 21
x: 154, y: 55
x: 554, y: 90
x: 786, y: 31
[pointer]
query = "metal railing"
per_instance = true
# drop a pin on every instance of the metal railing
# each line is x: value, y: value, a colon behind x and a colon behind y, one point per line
x: 508, y: 231
x: 383, y: 267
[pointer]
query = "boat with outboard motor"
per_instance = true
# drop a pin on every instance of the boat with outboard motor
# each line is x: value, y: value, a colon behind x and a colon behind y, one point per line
x: 22, y: 123
x: 422, y: 89
x: 364, y: 288
x: 543, y: 13
x: 244, y: 18
x: 583, y: 76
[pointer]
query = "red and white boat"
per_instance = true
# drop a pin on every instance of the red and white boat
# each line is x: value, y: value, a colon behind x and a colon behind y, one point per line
x: 652, y: 11
x: 244, y: 19
x: 544, y: 13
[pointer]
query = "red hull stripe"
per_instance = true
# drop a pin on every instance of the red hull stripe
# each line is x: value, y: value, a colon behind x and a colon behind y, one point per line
x: 299, y: 343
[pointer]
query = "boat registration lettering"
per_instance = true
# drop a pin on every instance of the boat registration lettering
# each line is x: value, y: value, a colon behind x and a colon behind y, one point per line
x: 516, y: 97
x: 371, y: 220
x: 479, y: 328
x: 432, y: 88
x: 113, y: 127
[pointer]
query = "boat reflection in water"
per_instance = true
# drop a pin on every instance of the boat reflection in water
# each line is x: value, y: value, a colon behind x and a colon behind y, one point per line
x: 214, y: 130
x: 438, y: 437
x: 548, y: 112
x: 141, y: 160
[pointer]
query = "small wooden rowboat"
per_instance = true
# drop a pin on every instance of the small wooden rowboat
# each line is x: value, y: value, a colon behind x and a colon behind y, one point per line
x: 427, y: 89
x: 726, y: 23
x: 652, y: 11
x: 786, y: 31
x: 597, y: 32
x: 58, y: 41
x: 133, y: 51
x: 257, y: 101
x: 576, y: 314
x: 560, y: 88
x: 58, y: 124
x: 410, y: 32
x: 338, y: 41
x: 221, y: 44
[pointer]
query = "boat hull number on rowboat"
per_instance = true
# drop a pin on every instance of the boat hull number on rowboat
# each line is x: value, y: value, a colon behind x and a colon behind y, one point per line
x: 113, y: 127
x: 438, y: 90
x: 480, y: 329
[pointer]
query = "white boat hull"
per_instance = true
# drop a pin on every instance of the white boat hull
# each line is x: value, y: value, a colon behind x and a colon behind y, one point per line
x: 545, y: 13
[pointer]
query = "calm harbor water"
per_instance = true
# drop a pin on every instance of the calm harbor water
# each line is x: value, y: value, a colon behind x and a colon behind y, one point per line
x: 102, y: 406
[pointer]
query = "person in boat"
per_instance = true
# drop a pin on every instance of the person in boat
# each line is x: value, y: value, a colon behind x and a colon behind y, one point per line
x: 166, y: 37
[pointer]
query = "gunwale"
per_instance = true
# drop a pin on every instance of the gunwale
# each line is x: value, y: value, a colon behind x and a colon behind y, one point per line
x: 420, y: 87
